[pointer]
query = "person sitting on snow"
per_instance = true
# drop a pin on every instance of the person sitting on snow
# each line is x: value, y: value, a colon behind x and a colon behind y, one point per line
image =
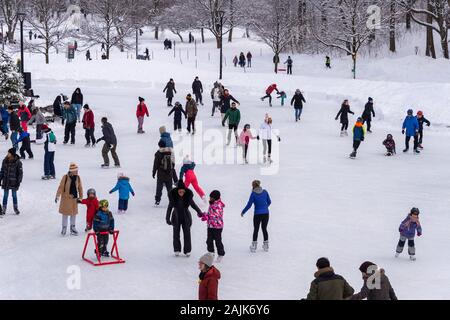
x: 389, y: 143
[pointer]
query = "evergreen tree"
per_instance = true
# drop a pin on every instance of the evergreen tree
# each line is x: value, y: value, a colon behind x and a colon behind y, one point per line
x: 11, y: 81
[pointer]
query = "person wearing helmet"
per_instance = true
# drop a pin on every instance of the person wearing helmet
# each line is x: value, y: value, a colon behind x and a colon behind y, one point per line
x: 178, y: 113
x: 297, y: 101
x: 358, y: 136
x: 408, y: 229
x: 91, y: 202
x: 411, y: 128
x: 389, y: 143
x: 103, y: 226
x: 367, y: 114
x: 421, y: 119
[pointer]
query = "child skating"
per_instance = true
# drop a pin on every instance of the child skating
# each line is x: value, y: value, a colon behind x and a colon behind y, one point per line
x: 358, y: 136
x: 408, y: 229
x: 283, y: 96
x: 389, y: 143
x: 422, y: 120
x: 91, y: 202
x: 124, y: 187
x: 103, y: 226
x: 178, y: 113
x: 187, y: 172
x: 244, y: 141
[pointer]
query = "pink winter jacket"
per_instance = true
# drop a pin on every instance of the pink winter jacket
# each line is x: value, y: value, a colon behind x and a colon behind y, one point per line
x: 245, y: 137
x: 214, y: 216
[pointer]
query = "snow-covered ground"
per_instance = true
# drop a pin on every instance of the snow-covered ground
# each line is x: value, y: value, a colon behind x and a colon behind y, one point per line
x: 323, y: 203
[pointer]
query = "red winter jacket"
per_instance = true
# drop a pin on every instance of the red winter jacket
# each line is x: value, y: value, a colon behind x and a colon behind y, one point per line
x: 209, y: 285
x: 24, y: 114
x: 142, y: 110
x: 271, y: 89
x: 88, y: 120
x: 92, y: 209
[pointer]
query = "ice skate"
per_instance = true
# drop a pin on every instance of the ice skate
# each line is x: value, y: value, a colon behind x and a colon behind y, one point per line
x: 353, y: 155
x: 177, y: 254
x: 87, y: 145
x: 266, y: 246
x: 254, y: 246
x: 157, y: 203
x: 105, y: 166
x: 406, y: 150
x: 73, y: 231
x: 219, y: 259
x: 397, y: 254
x: 64, y: 231
x: 45, y: 177
x: 412, y: 258
x: 346, y: 133
x: 420, y: 147
x: 187, y: 255
x: 3, y: 211
x: 16, y: 210
x: 342, y: 133
x: 117, y: 166
x: 416, y: 151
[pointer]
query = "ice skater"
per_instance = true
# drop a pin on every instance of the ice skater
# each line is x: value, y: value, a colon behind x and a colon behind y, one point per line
x: 408, y: 229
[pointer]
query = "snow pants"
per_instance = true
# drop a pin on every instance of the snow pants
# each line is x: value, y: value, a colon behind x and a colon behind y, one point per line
x: 260, y: 220
x: 102, y: 242
x: 105, y: 150
x: 416, y: 142
x: 69, y: 131
x: 123, y: 204
x: 191, y: 178
x: 49, y: 163
x: 344, y: 126
x: 356, y: 145
x: 198, y: 97
x: 191, y: 125
x: 160, y: 184
x: 215, y: 235
x: 89, y: 135
x: 411, y: 245
x: 26, y: 147
x: 177, y: 124
x: 187, y: 247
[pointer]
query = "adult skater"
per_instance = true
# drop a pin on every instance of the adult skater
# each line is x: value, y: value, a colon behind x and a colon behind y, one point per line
x: 269, y: 91
x: 358, y: 136
x: 343, y: 114
x: 249, y: 59
x: 297, y: 101
x: 208, y: 279
x: 49, y: 154
x: 328, y: 285
x: 225, y: 102
x: 70, y: 119
x: 58, y: 108
x: 11, y: 175
x: 170, y: 90
x: 191, y: 111
x: 289, y: 63
x: 89, y: 126
x: 422, y: 120
x: 408, y: 229
x: 197, y: 89
x: 179, y: 217
x: 215, y: 96
x: 77, y: 102
x: 110, y: 144
x: 261, y: 200
x: 163, y: 168
x: 242, y: 61
x: 14, y: 125
x: 265, y: 134
x: 233, y: 116
x: 178, y: 113
x: 70, y: 191
x: 141, y: 113
x: 384, y: 291
x: 411, y: 128
x: 367, y: 114
x: 38, y: 118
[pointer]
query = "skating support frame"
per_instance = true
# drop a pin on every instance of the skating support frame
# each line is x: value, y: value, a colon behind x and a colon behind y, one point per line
x: 114, y: 250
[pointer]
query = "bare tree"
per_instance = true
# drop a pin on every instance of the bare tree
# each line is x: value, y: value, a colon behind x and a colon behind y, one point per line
x: 9, y: 10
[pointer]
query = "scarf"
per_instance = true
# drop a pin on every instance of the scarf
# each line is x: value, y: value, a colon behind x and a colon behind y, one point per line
x: 73, y: 187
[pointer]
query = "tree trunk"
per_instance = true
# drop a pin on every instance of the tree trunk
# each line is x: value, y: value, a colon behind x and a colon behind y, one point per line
x: 430, y: 51
x: 444, y: 44
x: 408, y: 21
x: 203, y: 34
x: 354, y: 65
x: 157, y: 32
x: 392, y: 21
x: 218, y: 41
x: 247, y: 32
x: 230, y: 35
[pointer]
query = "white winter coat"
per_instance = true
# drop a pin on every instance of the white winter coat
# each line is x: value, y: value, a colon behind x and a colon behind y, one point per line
x: 266, y: 131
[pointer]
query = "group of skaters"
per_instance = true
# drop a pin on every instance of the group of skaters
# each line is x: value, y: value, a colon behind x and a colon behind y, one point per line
x: 412, y: 128
x: 243, y: 60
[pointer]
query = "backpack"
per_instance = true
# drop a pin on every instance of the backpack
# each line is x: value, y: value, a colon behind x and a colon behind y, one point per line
x: 166, y: 163
x: 51, y: 137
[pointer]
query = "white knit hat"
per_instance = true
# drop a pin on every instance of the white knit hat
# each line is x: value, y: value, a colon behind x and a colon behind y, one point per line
x: 207, y: 259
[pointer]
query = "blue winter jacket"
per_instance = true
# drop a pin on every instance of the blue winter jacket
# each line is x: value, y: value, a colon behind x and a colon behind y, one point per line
x: 186, y: 167
x: 103, y: 221
x: 124, y: 187
x: 70, y: 114
x: 4, y: 114
x: 358, y: 133
x: 261, y: 199
x: 23, y: 136
x: 411, y: 125
x: 408, y: 228
x: 165, y: 136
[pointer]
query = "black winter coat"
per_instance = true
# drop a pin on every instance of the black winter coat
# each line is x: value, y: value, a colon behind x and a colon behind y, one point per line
x: 11, y: 173
x: 197, y: 87
x: 178, y: 113
x: 77, y: 98
x: 178, y: 210
x: 297, y: 101
x: 345, y: 110
x: 14, y: 121
x: 163, y: 174
x: 226, y: 103
x: 368, y: 112
x: 108, y: 134
x: 170, y: 88
x: 422, y: 121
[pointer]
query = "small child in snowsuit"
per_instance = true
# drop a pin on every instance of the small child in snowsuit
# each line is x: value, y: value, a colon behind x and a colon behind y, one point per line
x: 103, y: 227
x: 358, y: 136
x: 283, y: 96
x: 124, y: 187
x: 244, y: 141
x: 92, y: 205
x: 408, y: 229
x: 178, y: 112
x: 187, y: 171
x: 389, y: 143
x: 24, y: 137
x: 214, y: 218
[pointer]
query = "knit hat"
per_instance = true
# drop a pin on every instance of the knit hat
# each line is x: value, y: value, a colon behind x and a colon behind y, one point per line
x: 420, y: 113
x: 73, y: 167
x: 162, y: 129
x: 359, y: 119
x: 103, y: 204
x: 256, y: 184
x: 207, y: 259
x: 161, y: 144
x: 120, y: 175
x: 363, y: 268
x: 12, y: 151
x: 415, y: 211
x: 323, y: 263
x: 370, y: 99
x: 45, y: 127
x: 86, y: 106
x: 186, y: 160
x: 181, y: 185
x: 141, y: 99
x: 215, y: 195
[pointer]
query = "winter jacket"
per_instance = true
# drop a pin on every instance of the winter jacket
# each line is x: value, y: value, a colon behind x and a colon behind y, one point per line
x: 249, y: 56
x: 245, y: 137
x: 197, y: 87
x: 70, y: 114
x: 408, y: 228
x: 368, y: 112
x: 77, y: 98
x: 215, y: 94
x: 411, y: 125
x: 165, y: 137
x: 178, y: 113
x: 39, y: 118
x: 191, y: 108
x: 261, y: 199
x: 11, y: 173
x: 358, y: 132
x: 14, y: 121
x: 24, y: 137
x: 124, y: 187
x: 4, y: 114
x: 92, y: 208
x: 265, y: 131
x: 233, y: 116
x: 163, y: 165
x: 422, y: 121
x: 241, y: 59
x: 343, y: 113
x: 329, y: 286
x: 297, y: 101
x: 68, y: 205
x: 88, y: 120
x: 103, y: 221
x: 178, y: 210
x: 225, y: 101
x: 386, y: 292
x: 271, y: 89
x: 208, y: 284
x: 170, y: 88
x: 289, y: 62
x: 108, y: 134
x: 24, y: 114
x: 186, y: 167
x: 214, y: 216
x: 142, y: 110
x: 389, y: 144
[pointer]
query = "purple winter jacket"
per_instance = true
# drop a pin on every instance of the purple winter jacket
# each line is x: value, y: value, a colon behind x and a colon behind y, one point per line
x: 408, y: 228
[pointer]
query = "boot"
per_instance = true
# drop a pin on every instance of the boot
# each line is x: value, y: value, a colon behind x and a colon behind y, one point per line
x: 4, y: 210
x: 177, y: 253
x: 397, y: 254
x: 412, y: 258
x: 64, y: 231
x: 416, y: 151
x: 353, y: 155
x: 87, y: 145
x: 254, y: 246
x: 342, y: 133
x: 73, y: 231
x: 266, y: 246
x: 406, y: 150
x: 16, y: 209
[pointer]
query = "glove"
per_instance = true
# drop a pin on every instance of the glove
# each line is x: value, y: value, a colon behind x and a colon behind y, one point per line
x: 200, y: 215
x: 336, y: 118
x: 279, y: 139
x: 242, y: 214
x: 56, y: 200
x: 79, y: 201
x: 111, y: 231
x: 153, y: 176
x: 204, y: 218
x: 168, y: 222
x: 257, y: 137
x: 223, y: 124
x: 134, y: 194
x: 110, y: 192
x: 403, y: 131
x: 419, y: 234
x: 428, y: 124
